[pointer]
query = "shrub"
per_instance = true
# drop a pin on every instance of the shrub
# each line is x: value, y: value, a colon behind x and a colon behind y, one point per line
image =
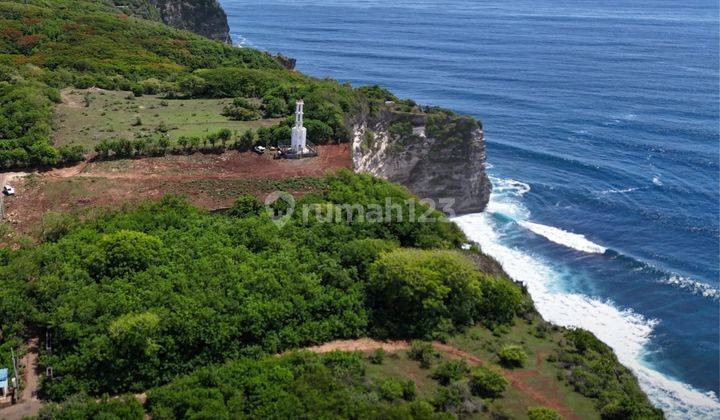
x: 391, y: 389
x: 450, y: 371
x: 377, y: 357
x: 56, y: 224
x: 423, y: 352
x: 543, y: 413
x: 512, y: 356
x: 242, y: 109
x: 487, y: 382
x: 448, y: 398
x: 71, y: 153
x: 246, y: 205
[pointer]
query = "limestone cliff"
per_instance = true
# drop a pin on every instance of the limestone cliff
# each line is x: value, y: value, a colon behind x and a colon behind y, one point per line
x: 434, y: 153
x: 204, y: 17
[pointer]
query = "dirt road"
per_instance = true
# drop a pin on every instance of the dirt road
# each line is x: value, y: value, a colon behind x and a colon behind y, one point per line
x: 29, y: 405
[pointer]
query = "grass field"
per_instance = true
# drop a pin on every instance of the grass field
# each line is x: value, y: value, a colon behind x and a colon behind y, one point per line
x: 87, y: 116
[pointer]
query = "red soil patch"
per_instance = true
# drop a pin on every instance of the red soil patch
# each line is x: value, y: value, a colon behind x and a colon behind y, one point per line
x: 211, y: 181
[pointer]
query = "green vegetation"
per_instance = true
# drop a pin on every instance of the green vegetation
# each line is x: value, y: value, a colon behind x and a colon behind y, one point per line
x: 593, y: 370
x: 487, y: 382
x: 416, y: 293
x: 84, y: 407
x: 115, y: 114
x: 512, y: 356
x: 194, y: 306
x: 135, y: 298
x: 542, y: 413
x: 450, y: 371
x: 298, y: 385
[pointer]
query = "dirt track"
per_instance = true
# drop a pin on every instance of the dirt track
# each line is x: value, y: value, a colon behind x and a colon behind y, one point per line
x: 544, y: 397
x: 29, y: 404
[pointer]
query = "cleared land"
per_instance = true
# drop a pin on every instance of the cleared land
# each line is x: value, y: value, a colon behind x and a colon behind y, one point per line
x: 87, y: 116
x: 212, y: 181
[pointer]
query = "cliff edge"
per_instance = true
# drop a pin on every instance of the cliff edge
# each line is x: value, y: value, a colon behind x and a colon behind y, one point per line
x: 203, y: 17
x: 433, y: 152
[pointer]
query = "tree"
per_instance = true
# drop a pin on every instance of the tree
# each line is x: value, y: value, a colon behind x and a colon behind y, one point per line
x: 275, y: 107
x: 433, y: 291
x: 224, y: 136
x: 103, y: 148
x: 123, y: 253
x: 247, y: 140
x: 134, y: 334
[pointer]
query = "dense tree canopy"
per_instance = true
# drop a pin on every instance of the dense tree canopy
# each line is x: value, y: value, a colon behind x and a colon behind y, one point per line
x: 134, y: 298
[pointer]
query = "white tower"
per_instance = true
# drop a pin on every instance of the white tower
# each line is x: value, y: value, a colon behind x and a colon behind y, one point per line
x: 299, y: 133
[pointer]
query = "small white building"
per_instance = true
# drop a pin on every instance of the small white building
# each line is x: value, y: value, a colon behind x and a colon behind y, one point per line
x: 299, y: 146
x: 298, y: 142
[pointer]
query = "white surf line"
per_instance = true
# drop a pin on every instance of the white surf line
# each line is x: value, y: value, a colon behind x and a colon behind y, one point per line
x: 625, y: 331
x: 565, y: 238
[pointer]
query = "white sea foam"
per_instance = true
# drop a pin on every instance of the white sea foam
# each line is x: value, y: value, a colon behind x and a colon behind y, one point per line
x: 625, y: 331
x: 568, y: 239
x: 620, y: 191
x: 696, y: 287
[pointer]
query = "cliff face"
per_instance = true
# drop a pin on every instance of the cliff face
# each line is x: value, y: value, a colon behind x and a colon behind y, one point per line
x: 204, y: 17
x: 434, y: 153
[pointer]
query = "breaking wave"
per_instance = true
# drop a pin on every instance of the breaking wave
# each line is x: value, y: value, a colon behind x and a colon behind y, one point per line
x: 568, y: 239
x: 627, y: 332
x: 694, y: 286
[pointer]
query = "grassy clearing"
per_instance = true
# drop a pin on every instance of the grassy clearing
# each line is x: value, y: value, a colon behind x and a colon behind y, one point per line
x: 539, y: 340
x: 537, y: 376
x: 87, y: 116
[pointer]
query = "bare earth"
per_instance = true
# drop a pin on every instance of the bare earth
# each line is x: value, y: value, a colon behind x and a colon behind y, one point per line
x: 211, y: 181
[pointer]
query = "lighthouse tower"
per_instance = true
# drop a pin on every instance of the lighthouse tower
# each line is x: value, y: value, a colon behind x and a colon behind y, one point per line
x: 299, y: 133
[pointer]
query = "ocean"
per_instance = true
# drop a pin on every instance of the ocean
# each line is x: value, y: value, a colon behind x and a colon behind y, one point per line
x: 601, y: 122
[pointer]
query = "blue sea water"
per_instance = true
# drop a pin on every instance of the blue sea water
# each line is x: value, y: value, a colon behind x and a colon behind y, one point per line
x: 601, y: 121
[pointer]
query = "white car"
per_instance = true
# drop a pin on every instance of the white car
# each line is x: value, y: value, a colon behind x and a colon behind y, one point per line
x: 8, y: 190
x: 259, y: 150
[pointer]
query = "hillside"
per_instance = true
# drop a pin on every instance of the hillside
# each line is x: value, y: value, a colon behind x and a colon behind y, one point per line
x: 206, y: 17
x: 131, y: 290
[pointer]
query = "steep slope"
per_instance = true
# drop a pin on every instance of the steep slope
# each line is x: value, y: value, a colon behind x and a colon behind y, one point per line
x: 203, y: 17
x: 434, y: 153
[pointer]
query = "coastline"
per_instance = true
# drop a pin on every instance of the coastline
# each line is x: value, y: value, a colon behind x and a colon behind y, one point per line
x: 625, y: 331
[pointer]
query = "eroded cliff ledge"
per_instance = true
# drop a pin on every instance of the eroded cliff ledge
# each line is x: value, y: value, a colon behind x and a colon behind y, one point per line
x: 433, y: 152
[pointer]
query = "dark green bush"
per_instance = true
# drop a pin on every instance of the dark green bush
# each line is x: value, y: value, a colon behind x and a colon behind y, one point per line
x: 487, y: 382
x: 423, y: 352
x: 512, y: 356
x: 450, y: 371
x: 543, y: 413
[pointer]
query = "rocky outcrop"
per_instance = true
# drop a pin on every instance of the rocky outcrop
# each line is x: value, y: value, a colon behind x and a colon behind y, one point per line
x: 434, y: 153
x: 204, y: 17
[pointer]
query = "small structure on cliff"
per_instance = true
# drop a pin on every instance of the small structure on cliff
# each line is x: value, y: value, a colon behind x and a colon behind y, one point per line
x: 299, y: 146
